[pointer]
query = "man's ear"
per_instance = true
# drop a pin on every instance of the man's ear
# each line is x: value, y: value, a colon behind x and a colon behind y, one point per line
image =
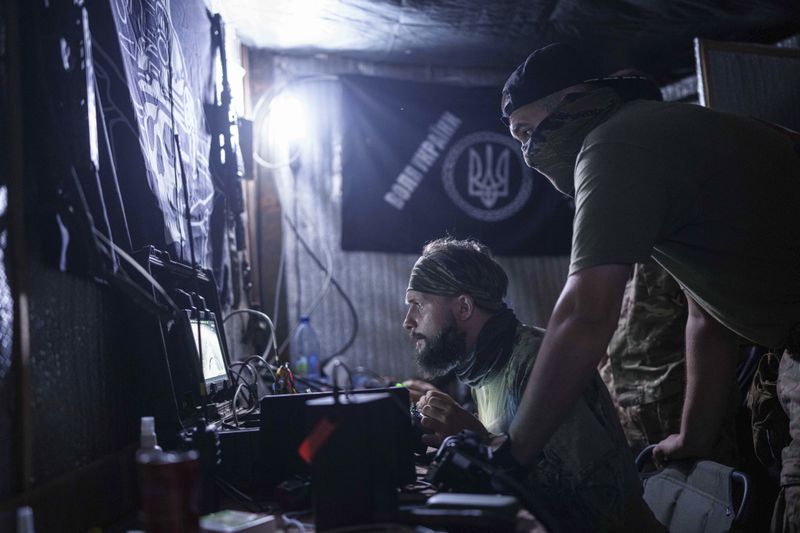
x: 465, y: 307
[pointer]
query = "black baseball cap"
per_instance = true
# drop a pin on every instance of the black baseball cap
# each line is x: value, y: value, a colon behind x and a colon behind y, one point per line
x: 546, y: 71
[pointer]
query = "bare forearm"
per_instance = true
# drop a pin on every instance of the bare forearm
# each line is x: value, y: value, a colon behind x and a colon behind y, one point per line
x: 710, y: 374
x: 577, y: 336
x: 562, y: 369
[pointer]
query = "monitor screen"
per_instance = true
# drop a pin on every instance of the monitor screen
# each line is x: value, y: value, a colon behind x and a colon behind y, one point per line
x: 209, y: 348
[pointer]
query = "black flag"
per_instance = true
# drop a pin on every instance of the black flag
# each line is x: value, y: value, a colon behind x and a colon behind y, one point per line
x: 420, y: 160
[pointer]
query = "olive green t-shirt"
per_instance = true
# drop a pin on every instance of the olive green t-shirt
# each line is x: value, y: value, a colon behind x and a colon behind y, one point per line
x: 713, y: 197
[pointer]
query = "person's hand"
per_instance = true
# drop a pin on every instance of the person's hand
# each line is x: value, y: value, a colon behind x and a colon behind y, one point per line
x: 417, y: 388
x: 673, y: 447
x: 444, y: 416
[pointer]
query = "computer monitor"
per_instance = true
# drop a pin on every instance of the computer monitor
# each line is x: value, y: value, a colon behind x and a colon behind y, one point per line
x: 209, y: 350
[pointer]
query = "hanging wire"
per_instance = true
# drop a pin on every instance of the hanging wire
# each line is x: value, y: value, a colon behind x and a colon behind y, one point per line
x: 150, y: 279
x: 295, y: 523
x: 112, y: 163
x: 328, y: 268
x: 262, y: 112
x: 326, y: 284
x: 339, y: 289
x: 272, y: 343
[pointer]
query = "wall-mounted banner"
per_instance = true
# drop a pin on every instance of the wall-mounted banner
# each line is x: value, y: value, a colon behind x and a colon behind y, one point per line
x: 420, y: 160
x: 168, y: 68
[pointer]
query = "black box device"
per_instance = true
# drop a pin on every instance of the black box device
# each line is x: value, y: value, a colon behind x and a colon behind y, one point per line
x: 286, y: 421
x: 353, y: 478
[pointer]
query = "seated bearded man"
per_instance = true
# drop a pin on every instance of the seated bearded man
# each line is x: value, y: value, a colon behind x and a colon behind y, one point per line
x: 460, y: 322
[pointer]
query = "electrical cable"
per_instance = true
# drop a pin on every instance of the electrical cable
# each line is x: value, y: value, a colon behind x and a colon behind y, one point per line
x: 262, y: 358
x: 295, y: 208
x: 329, y: 271
x: 338, y: 287
x: 266, y: 364
x: 326, y: 284
x: 361, y: 370
x: 278, y: 283
x: 169, y: 375
x: 248, y: 366
x: 172, y: 126
x: 269, y: 96
x: 125, y: 283
x: 188, y: 210
x: 122, y: 275
x: 252, y: 388
x: 112, y: 162
x: 157, y: 287
x: 336, y: 366
x: 252, y: 400
x: 155, y: 284
x: 323, y: 291
x: 241, y: 497
x: 237, y: 374
x: 418, y: 486
x: 314, y: 384
x: 233, y: 405
x: 295, y: 219
x: 272, y: 343
x: 296, y: 523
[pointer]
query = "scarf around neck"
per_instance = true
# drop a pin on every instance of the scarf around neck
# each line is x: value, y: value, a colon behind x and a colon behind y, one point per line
x: 492, y: 349
x: 556, y: 142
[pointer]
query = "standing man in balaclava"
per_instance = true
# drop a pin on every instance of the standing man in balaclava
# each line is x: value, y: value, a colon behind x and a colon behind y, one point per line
x: 712, y: 197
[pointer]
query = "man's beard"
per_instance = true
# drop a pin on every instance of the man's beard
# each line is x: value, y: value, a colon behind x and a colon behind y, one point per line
x: 442, y: 351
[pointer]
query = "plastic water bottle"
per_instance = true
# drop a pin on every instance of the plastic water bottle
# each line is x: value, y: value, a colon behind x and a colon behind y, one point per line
x: 25, y: 520
x: 305, y: 350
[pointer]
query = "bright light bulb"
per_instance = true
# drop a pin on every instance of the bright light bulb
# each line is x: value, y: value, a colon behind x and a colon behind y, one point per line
x: 287, y: 118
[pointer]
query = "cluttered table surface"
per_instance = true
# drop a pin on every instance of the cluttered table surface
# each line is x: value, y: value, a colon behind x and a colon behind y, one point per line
x: 415, y: 514
x: 241, y: 513
x: 322, y: 462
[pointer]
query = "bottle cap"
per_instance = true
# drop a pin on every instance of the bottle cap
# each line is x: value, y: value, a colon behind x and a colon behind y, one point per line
x: 148, y: 424
x: 147, y: 436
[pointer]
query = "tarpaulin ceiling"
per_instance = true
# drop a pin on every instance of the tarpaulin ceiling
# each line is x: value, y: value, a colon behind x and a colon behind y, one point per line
x: 655, y: 35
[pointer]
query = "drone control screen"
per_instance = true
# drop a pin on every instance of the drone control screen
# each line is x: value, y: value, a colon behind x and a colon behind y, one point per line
x: 210, y: 349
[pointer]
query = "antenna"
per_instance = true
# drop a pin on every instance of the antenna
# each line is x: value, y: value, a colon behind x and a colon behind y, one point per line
x: 188, y: 212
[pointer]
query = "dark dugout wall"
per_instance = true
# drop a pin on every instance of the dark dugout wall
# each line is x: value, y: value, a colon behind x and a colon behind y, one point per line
x: 106, y: 87
x: 7, y: 389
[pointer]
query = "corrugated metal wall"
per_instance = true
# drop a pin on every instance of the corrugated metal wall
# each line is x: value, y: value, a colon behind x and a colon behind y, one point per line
x: 374, y: 282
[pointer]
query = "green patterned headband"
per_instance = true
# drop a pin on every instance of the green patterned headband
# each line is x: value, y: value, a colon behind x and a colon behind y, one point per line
x: 455, y: 272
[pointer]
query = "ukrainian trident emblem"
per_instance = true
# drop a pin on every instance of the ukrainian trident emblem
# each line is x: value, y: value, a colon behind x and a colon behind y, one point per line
x: 487, y: 179
x: 485, y: 175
